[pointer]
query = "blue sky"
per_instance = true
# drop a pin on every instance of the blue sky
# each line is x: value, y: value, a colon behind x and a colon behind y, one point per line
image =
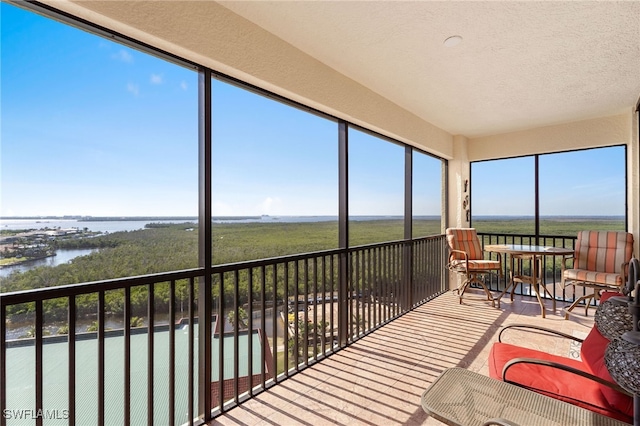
x: 578, y: 183
x: 91, y: 127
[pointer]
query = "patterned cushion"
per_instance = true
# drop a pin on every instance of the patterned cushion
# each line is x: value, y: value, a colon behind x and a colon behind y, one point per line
x: 477, y: 265
x: 603, y: 251
x: 593, y: 277
x: 464, y: 239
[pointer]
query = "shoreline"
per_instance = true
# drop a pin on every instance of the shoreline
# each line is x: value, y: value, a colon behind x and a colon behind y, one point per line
x: 28, y: 259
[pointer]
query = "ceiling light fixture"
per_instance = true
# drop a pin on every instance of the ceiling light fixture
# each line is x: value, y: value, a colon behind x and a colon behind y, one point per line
x: 453, y: 41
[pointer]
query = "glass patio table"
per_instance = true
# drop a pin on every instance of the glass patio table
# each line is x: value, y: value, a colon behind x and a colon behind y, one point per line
x: 460, y: 397
x: 535, y: 253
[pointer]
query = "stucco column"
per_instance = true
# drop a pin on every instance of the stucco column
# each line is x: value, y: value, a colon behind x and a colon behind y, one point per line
x: 633, y: 182
x: 458, y: 183
x: 459, y: 191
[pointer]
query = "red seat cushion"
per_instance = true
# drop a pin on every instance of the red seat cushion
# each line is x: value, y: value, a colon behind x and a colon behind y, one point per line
x: 550, y: 381
x: 592, y: 354
x: 607, y: 294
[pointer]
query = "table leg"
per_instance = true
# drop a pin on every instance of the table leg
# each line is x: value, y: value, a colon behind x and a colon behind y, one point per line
x: 553, y: 299
x: 540, y: 272
x: 510, y: 284
x: 534, y: 273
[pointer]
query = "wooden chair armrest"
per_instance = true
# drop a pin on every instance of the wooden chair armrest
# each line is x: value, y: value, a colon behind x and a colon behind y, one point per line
x: 538, y: 328
x: 564, y: 260
x: 559, y: 366
x: 464, y: 253
x: 623, y: 276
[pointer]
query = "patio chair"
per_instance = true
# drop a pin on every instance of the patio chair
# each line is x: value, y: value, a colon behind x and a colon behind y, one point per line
x: 600, y: 262
x: 466, y: 258
x: 585, y: 382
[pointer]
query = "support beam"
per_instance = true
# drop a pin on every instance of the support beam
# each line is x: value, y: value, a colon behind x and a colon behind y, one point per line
x: 204, y: 243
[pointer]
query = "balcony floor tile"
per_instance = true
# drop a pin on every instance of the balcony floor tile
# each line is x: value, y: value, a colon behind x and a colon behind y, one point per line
x: 379, y: 379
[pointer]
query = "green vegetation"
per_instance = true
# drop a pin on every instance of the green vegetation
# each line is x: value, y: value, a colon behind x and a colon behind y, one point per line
x: 555, y: 226
x: 243, y: 318
x: 165, y: 248
x: 12, y: 260
x: 311, y: 340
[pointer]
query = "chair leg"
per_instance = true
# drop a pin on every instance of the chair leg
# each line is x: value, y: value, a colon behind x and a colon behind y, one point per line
x: 489, y: 295
x: 513, y: 289
x: 596, y: 297
x: 586, y: 298
x: 463, y: 288
x: 511, y: 286
x: 473, y: 278
x: 476, y: 279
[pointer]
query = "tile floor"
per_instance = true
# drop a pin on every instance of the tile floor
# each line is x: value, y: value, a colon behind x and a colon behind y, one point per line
x: 379, y: 379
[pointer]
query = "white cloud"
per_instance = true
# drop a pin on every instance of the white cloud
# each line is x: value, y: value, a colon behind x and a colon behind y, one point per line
x: 265, y: 207
x: 133, y: 88
x: 271, y: 206
x: 183, y: 85
x: 156, y: 79
x: 222, y: 209
x: 123, y: 55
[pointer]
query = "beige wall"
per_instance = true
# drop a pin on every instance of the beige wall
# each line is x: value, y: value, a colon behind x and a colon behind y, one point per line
x: 605, y: 131
x: 633, y: 190
x: 458, y: 174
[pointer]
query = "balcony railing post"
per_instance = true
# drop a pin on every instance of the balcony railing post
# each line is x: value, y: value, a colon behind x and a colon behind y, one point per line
x: 39, y: 360
x: 191, y: 352
x: 376, y: 269
x: 3, y: 365
x: 127, y: 355
x: 150, y: 350
x: 101, y: 359
x: 343, y: 233
x: 343, y: 302
x: 172, y: 351
x: 205, y: 254
x: 406, y: 290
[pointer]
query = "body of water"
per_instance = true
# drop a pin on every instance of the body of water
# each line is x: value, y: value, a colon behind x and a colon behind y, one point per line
x: 132, y: 224
x: 95, y: 226
x: 117, y: 225
x: 62, y: 256
x: 110, y: 225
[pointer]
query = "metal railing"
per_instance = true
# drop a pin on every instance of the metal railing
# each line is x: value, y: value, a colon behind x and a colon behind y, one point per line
x: 60, y: 394
x: 551, y: 265
x: 268, y: 319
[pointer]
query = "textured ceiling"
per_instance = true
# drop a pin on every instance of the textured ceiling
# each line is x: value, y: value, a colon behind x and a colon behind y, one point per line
x: 520, y: 65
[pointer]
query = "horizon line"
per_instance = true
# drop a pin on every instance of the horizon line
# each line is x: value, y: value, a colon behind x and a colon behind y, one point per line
x: 186, y: 217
